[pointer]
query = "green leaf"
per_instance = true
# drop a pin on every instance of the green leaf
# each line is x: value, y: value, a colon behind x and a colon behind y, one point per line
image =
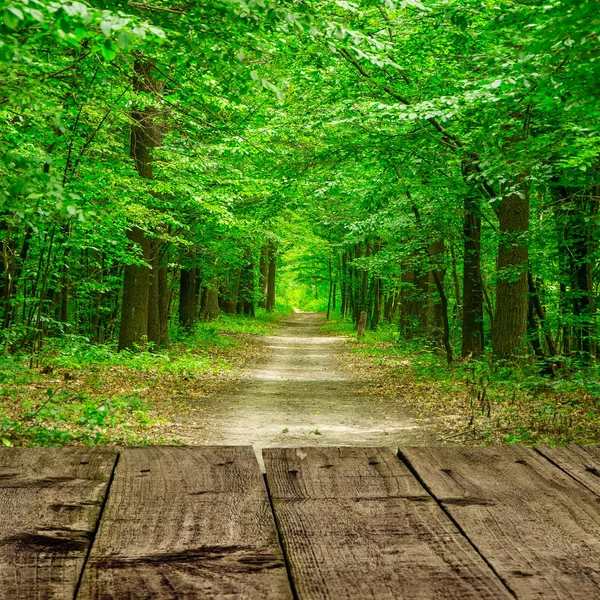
x: 35, y: 14
x: 12, y: 18
x: 17, y: 12
x: 106, y: 28
x: 124, y: 40
x: 7, y: 442
x: 108, y: 50
x: 159, y: 33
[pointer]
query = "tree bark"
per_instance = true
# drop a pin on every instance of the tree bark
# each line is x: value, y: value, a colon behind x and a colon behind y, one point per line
x: 187, y: 297
x: 472, y: 314
x: 211, y: 308
x: 270, y: 304
x: 154, y: 295
x: 164, y: 304
x: 263, y: 279
x: 362, y: 324
x: 136, y: 289
x: 246, y: 299
x: 510, y: 319
x: 146, y: 135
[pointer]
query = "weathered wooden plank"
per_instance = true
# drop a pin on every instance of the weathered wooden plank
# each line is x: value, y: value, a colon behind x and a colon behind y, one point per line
x: 536, y: 526
x: 581, y: 462
x: 187, y: 522
x: 50, y: 499
x: 355, y: 523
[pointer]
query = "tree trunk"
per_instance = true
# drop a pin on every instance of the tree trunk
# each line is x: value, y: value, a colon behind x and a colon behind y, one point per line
x: 362, y: 324
x: 187, y: 297
x: 154, y: 295
x: 472, y: 314
x: 436, y: 316
x: 376, y: 305
x: 364, y: 286
x: 146, y: 135
x: 356, y: 286
x: 329, y: 297
x: 344, y: 285
x: 136, y: 288
x: 263, y: 279
x: 246, y: 299
x: 270, y: 305
x: 510, y: 319
x: 164, y: 304
x: 211, y: 308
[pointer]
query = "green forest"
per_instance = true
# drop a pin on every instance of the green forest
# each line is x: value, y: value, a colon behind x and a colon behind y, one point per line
x: 179, y: 178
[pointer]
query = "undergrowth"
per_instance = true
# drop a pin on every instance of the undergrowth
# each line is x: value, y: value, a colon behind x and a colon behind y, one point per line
x: 480, y: 401
x: 76, y: 392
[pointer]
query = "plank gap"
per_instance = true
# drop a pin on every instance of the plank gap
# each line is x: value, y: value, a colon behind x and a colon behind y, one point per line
x: 402, y: 457
x: 286, y: 558
x: 97, y: 526
x: 593, y: 470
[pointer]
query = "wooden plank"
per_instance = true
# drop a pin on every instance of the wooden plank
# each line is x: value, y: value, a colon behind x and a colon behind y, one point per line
x: 50, y: 500
x: 536, y: 526
x: 355, y: 523
x: 187, y: 522
x: 581, y: 462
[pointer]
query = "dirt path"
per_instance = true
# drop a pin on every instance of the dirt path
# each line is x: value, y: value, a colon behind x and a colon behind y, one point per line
x: 298, y: 398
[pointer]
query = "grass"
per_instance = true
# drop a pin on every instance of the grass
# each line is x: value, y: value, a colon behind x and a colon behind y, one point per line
x: 479, y: 401
x: 76, y: 392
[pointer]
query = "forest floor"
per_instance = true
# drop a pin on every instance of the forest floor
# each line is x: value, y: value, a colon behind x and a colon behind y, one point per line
x: 299, y: 394
x: 291, y: 380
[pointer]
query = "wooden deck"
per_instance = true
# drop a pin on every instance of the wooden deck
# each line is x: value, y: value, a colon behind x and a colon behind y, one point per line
x: 338, y: 523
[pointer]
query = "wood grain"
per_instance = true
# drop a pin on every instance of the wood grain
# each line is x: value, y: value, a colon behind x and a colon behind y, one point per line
x: 355, y: 523
x: 536, y: 526
x: 50, y: 500
x: 581, y: 462
x: 187, y: 522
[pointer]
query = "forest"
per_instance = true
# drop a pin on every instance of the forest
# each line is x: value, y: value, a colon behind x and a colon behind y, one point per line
x: 177, y: 176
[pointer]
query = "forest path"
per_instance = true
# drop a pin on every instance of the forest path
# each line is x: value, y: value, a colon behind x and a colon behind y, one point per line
x: 299, y: 397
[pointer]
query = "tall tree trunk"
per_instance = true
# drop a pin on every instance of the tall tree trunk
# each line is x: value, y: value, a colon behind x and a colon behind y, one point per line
x: 356, y: 285
x: 510, y: 319
x: 187, y: 297
x: 211, y: 308
x: 364, y: 286
x: 344, y: 285
x: 246, y: 298
x: 472, y: 315
x: 435, y: 319
x: 330, y: 295
x: 376, y: 305
x: 164, y: 303
x: 270, y: 305
x: 263, y: 278
x: 146, y: 135
x: 154, y: 294
x: 136, y: 288
x: 408, y: 302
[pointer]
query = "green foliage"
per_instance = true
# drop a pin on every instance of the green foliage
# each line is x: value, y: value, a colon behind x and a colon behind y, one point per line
x: 66, y: 418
